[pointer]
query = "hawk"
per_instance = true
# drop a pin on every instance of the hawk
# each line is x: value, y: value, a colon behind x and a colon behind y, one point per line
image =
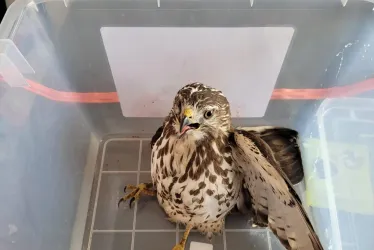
x: 202, y: 167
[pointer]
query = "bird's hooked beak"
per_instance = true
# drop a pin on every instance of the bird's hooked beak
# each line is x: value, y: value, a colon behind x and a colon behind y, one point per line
x: 187, y: 122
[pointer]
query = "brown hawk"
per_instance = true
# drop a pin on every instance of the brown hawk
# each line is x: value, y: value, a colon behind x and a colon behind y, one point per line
x: 202, y: 168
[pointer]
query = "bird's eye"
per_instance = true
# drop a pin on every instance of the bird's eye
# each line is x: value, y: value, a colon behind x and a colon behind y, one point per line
x: 208, y: 114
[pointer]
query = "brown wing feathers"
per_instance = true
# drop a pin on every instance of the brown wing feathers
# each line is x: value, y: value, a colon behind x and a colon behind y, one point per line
x: 285, y: 148
x: 272, y: 192
x: 156, y: 136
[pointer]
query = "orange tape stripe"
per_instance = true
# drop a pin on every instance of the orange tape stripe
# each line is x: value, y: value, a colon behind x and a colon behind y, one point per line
x: 278, y: 94
x: 63, y: 96
x: 334, y: 92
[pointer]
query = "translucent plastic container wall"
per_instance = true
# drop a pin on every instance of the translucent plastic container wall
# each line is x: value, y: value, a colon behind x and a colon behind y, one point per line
x: 58, y: 101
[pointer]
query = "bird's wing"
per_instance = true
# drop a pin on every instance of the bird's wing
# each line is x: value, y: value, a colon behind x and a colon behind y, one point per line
x: 284, y: 144
x: 156, y: 136
x: 272, y: 196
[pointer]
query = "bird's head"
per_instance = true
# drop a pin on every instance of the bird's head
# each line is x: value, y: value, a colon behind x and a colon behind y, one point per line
x: 199, y: 111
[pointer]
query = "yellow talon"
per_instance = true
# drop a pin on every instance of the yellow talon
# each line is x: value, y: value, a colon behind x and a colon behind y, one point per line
x: 179, y: 247
x: 131, y: 187
x: 142, y: 188
x: 182, y: 243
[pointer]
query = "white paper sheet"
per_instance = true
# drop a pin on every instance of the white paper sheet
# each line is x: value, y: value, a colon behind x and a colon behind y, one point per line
x: 149, y: 65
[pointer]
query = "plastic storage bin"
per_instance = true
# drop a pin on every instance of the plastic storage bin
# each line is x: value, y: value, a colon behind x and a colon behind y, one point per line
x: 74, y: 129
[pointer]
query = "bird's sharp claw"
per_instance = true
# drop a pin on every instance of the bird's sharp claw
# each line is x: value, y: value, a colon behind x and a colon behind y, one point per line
x: 120, y: 201
x: 135, y: 194
x: 131, y: 201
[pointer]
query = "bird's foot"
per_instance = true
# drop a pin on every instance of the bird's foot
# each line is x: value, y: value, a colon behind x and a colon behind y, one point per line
x: 182, y: 243
x: 137, y: 191
x: 179, y: 247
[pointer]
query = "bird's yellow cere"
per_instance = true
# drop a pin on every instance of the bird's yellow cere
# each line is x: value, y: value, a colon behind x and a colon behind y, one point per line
x: 188, y: 112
